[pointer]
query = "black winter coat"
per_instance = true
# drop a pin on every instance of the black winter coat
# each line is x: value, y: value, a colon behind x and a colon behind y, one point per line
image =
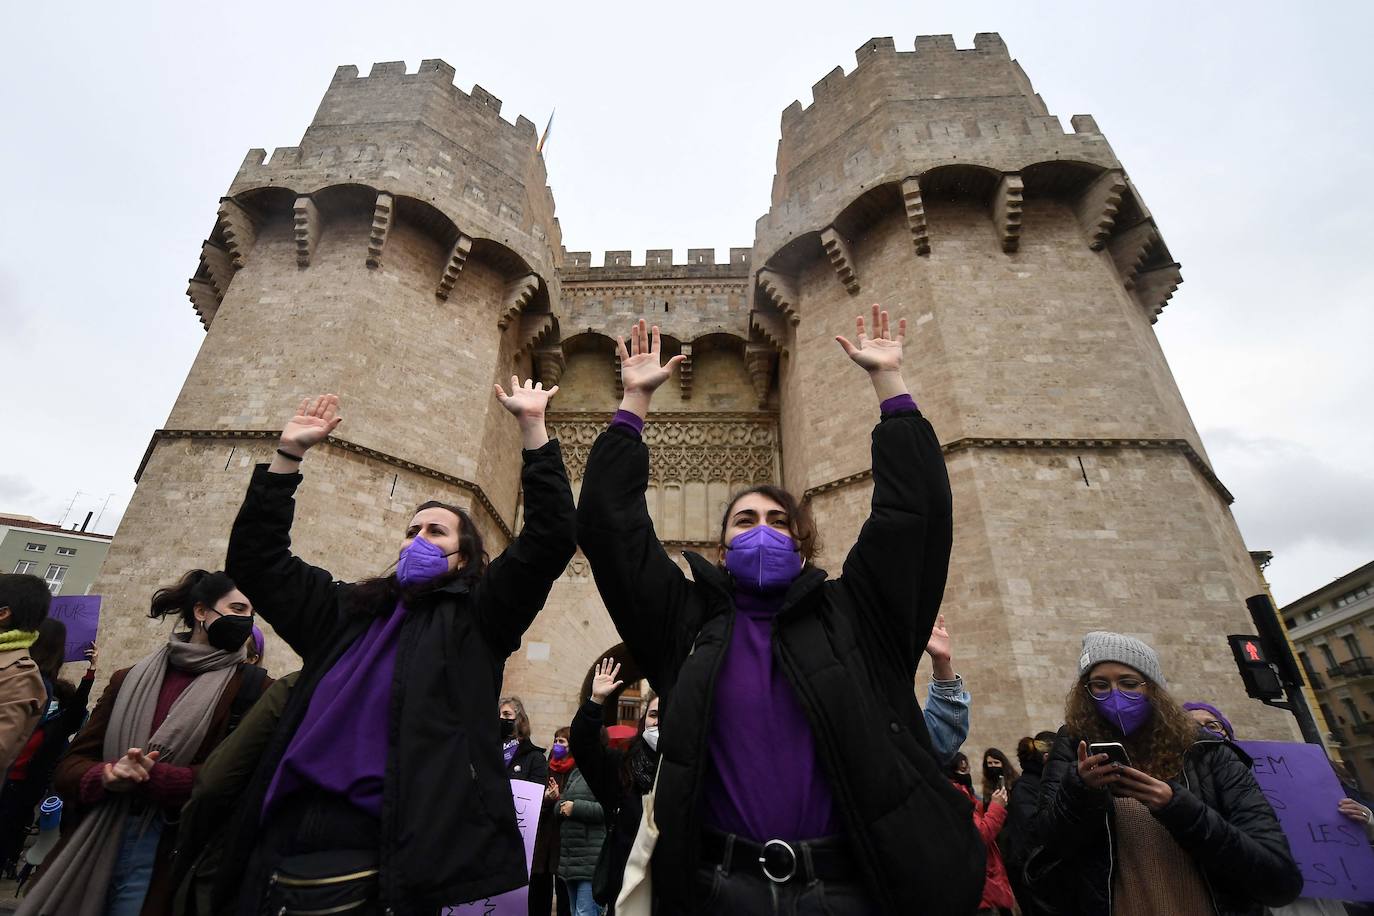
x: 1022, y: 801
x: 1218, y: 815
x: 849, y: 648
x: 448, y: 830
x: 529, y: 763
x: 623, y: 805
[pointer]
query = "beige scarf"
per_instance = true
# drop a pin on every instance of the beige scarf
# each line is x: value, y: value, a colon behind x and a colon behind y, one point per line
x: 74, y: 884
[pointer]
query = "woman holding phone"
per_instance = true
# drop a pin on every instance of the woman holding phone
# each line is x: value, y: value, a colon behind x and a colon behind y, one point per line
x: 1141, y: 811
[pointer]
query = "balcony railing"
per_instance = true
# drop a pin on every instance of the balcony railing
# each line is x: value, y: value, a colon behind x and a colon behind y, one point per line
x: 1362, y: 666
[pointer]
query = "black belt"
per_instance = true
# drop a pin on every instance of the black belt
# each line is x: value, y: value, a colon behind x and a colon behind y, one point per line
x: 780, y: 861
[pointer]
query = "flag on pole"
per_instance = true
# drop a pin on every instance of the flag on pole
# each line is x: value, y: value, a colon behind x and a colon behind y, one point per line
x: 547, y: 127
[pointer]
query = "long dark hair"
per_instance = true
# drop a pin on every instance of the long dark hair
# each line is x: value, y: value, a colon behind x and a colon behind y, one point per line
x: 47, y: 652
x: 1157, y: 748
x: 639, y: 760
x: 381, y: 592
x: 1009, y: 772
x: 798, y: 516
x: 196, y: 587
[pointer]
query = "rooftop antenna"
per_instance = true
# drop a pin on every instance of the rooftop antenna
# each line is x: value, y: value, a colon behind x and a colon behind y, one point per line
x: 69, y: 509
x: 102, y: 513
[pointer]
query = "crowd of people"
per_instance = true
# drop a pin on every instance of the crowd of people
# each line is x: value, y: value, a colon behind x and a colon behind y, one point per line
x: 781, y: 762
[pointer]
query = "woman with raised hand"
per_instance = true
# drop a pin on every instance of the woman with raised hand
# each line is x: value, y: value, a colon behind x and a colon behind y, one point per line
x: 1142, y: 810
x: 385, y: 785
x: 761, y: 659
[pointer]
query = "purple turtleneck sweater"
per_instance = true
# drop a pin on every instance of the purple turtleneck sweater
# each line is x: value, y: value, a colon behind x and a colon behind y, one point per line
x: 766, y: 780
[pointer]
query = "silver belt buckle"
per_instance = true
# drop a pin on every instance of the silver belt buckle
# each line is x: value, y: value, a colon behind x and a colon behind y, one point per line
x: 763, y: 862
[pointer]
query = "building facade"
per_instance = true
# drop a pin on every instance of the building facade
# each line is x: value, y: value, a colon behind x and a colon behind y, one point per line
x: 406, y: 255
x: 68, y: 560
x: 1332, y: 629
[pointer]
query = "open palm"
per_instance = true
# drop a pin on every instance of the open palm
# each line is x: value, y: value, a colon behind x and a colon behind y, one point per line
x: 640, y: 367
x: 315, y: 419
x: 880, y: 352
x: 604, y: 681
x: 529, y: 401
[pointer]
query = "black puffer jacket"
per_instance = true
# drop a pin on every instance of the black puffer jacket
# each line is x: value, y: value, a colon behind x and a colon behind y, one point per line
x: 849, y: 647
x: 1218, y: 815
x: 448, y: 830
x: 529, y: 763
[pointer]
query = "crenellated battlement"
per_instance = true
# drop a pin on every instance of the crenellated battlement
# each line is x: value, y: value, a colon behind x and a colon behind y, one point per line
x: 386, y: 77
x: 656, y: 265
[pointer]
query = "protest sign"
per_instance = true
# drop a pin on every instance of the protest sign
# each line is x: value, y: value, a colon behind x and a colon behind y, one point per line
x: 529, y: 797
x: 1332, y: 850
x: 81, y: 614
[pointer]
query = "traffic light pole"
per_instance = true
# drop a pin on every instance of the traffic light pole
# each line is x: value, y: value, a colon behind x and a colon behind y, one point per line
x: 1280, y: 653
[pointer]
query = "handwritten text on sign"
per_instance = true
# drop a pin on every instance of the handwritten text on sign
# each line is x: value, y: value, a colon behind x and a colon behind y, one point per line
x: 1332, y: 850
x: 81, y: 615
x: 528, y: 796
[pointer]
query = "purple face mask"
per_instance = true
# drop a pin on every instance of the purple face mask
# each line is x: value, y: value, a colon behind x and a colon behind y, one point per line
x: 763, y: 559
x: 560, y: 751
x: 1127, y: 711
x: 420, y: 562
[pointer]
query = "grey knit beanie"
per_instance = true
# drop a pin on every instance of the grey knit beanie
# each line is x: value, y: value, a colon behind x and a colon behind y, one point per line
x: 1100, y: 646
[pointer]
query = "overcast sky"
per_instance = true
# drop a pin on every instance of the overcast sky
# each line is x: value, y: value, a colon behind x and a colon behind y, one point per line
x: 1247, y: 128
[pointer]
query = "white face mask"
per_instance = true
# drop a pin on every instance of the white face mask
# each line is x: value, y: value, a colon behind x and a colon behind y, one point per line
x: 651, y: 737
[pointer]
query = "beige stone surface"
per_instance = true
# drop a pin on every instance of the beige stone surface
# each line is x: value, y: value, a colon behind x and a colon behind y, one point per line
x: 934, y: 181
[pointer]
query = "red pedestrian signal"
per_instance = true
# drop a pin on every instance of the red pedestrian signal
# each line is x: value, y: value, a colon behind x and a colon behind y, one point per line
x: 1260, y: 678
x: 1252, y: 652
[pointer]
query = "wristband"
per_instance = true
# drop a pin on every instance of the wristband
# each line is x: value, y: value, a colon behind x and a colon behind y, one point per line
x: 288, y: 456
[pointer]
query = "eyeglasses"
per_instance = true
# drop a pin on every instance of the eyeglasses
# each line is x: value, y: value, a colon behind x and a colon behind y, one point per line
x: 1101, y: 688
x: 1215, y: 727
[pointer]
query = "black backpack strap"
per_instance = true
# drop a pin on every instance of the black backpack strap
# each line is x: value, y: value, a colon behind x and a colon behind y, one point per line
x: 253, y: 681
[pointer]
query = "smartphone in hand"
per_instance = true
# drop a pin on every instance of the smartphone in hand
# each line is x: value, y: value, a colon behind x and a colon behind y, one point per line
x: 1115, y: 751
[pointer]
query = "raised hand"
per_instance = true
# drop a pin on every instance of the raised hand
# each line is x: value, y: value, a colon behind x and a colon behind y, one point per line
x: 641, y: 371
x: 315, y: 419
x: 527, y: 402
x: 604, y: 681
x: 941, y: 652
x: 880, y: 352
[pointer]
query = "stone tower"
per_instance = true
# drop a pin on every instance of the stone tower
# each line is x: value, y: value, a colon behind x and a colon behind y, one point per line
x: 406, y: 255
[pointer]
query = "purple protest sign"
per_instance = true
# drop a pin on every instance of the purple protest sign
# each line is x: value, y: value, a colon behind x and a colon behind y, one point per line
x: 1332, y: 850
x: 81, y: 614
x: 529, y: 800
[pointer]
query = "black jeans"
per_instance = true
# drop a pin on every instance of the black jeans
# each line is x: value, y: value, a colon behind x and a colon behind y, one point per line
x: 718, y: 891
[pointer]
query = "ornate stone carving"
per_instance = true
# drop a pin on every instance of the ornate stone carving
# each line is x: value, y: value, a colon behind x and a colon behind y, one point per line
x: 691, y: 448
x: 549, y: 364
x: 535, y: 331
x: 684, y: 372
x: 759, y: 361
x: 1098, y: 206
x: 457, y: 257
x: 769, y: 329
x: 382, y: 215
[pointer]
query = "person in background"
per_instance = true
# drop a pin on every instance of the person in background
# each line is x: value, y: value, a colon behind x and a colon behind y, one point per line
x: 524, y: 759
x: 618, y: 778
x: 988, y: 816
x: 1210, y: 718
x: 128, y: 772
x: 545, y: 885
x: 947, y: 702
x: 28, y: 778
x: 998, y: 773
x: 1031, y: 753
x: 582, y: 832
x: 961, y: 774
x: 1215, y: 722
x: 1176, y: 825
x: 256, y: 643
x: 24, y: 602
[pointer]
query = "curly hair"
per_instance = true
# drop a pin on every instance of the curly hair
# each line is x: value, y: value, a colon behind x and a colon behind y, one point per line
x: 1157, y: 748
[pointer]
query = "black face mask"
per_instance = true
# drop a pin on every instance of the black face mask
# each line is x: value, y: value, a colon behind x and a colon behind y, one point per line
x: 507, y: 729
x: 964, y: 779
x: 992, y: 772
x: 230, y: 632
